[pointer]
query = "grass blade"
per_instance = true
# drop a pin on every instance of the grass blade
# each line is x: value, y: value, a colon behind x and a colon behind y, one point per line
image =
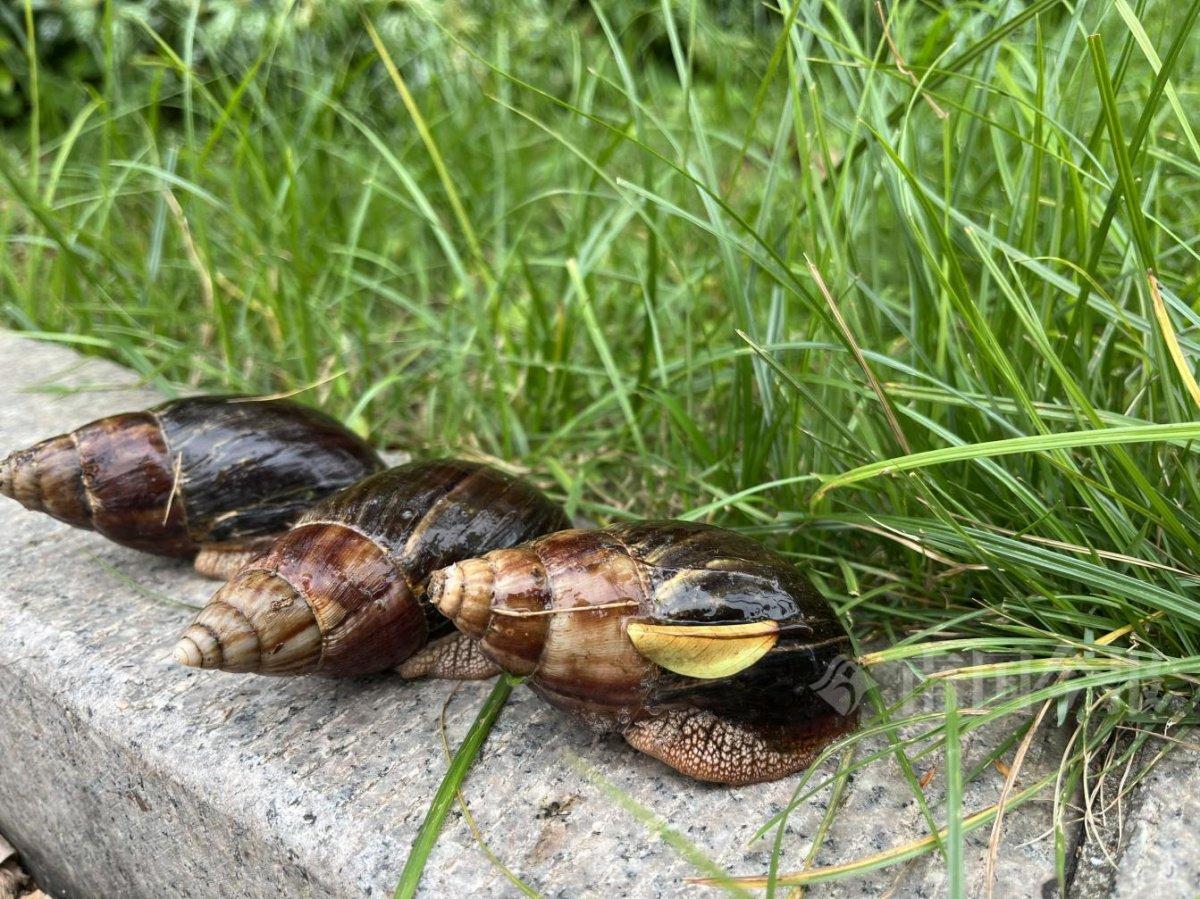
x: 431, y: 827
x: 1178, y: 434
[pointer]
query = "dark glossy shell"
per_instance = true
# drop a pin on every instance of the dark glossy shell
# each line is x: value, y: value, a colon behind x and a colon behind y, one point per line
x: 557, y: 610
x: 190, y: 472
x: 342, y: 592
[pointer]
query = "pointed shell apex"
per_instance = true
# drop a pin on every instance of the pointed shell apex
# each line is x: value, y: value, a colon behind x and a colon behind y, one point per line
x: 444, y: 590
x: 187, y: 653
x: 257, y: 623
x: 463, y: 592
x: 198, y: 648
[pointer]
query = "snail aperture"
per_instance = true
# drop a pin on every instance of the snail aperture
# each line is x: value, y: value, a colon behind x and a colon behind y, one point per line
x: 697, y: 644
x: 211, y: 477
x: 342, y: 593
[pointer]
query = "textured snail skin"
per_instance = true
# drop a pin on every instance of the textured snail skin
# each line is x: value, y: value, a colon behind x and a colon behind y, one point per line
x: 556, y: 610
x: 342, y: 593
x: 204, y: 474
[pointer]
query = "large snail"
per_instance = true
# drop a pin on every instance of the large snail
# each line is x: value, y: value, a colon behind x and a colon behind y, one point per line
x: 342, y: 593
x: 697, y: 644
x: 210, y: 477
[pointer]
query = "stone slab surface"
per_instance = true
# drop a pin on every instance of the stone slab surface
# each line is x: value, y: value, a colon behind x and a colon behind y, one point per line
x: 1161, y: 851
x: 124, y: 775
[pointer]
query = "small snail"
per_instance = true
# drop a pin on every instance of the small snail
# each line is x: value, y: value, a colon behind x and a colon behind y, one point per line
x: 342, y: 593
x: 697, y: 644
x: 206, y: 476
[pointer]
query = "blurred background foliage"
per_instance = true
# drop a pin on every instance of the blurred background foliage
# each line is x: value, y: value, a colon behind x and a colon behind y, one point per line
x: 72, y: 40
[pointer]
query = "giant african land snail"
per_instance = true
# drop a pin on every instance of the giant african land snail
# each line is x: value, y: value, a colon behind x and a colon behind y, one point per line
x: 210, y: 477
x: 697, y: 644
x: 342, y: 593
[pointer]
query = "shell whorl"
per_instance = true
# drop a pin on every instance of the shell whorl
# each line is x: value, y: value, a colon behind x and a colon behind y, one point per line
x: 192, y: 472
x: 555, y: 609
x: 500, y: 600
x: 257, y: 622
x: 324, y: 599
x: 114, y: 476
x: 48, y: 478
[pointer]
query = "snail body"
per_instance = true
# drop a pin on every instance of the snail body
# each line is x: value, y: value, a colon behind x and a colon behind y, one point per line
x: 342, y: 593
x: 695, y: 643
x: 210, y: 477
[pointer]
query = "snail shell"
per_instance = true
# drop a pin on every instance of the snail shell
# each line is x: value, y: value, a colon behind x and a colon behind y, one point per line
x: 342, y: 592
x: 210, y: 474
x: 697, y: 644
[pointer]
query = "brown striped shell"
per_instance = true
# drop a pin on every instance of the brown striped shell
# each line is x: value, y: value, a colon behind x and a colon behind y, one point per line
x: 342, y: 593
x: 189, y: 473
x: 559, y: 609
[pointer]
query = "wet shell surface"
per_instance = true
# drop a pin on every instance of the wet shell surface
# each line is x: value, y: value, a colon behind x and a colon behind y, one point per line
x: 342, y: 593
x: 201, y: 472
x: 697, y: 644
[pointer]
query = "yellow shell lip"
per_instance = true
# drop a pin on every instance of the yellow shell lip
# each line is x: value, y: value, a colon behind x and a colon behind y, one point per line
x: 704, y: 651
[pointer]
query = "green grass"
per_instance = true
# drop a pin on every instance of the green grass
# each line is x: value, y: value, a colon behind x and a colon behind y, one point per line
x: 928, y: 327
x: 464, y: 757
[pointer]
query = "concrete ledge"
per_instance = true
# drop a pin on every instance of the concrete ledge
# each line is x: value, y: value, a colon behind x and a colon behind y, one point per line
x: 122, y: 774
x: 1161, y: 853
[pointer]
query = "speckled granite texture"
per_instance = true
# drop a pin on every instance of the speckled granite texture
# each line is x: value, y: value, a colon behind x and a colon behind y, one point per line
x: 124, y: 775
x: 1161, y: 853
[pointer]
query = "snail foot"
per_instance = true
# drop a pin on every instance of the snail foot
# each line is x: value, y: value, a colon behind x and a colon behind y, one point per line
x: 711, y: 747
x: 220, y: 561
x: 455, y: 656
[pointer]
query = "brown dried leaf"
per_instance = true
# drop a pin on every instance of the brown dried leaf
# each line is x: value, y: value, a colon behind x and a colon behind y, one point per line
x: 704, y: 650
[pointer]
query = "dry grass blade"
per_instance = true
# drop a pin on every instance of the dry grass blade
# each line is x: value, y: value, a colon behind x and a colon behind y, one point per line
x: 884, y: 400
x: 201, y: 268
x: 1010, y: 780
x: 1172, y: 341
x: 465, y: 807
x: 900, y: 64
x: 449, y: 788
x: 435, y: 153
x: 883, y: 859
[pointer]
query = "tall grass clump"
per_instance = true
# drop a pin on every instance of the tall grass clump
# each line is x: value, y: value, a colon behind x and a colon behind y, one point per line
x: 907, y: 290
